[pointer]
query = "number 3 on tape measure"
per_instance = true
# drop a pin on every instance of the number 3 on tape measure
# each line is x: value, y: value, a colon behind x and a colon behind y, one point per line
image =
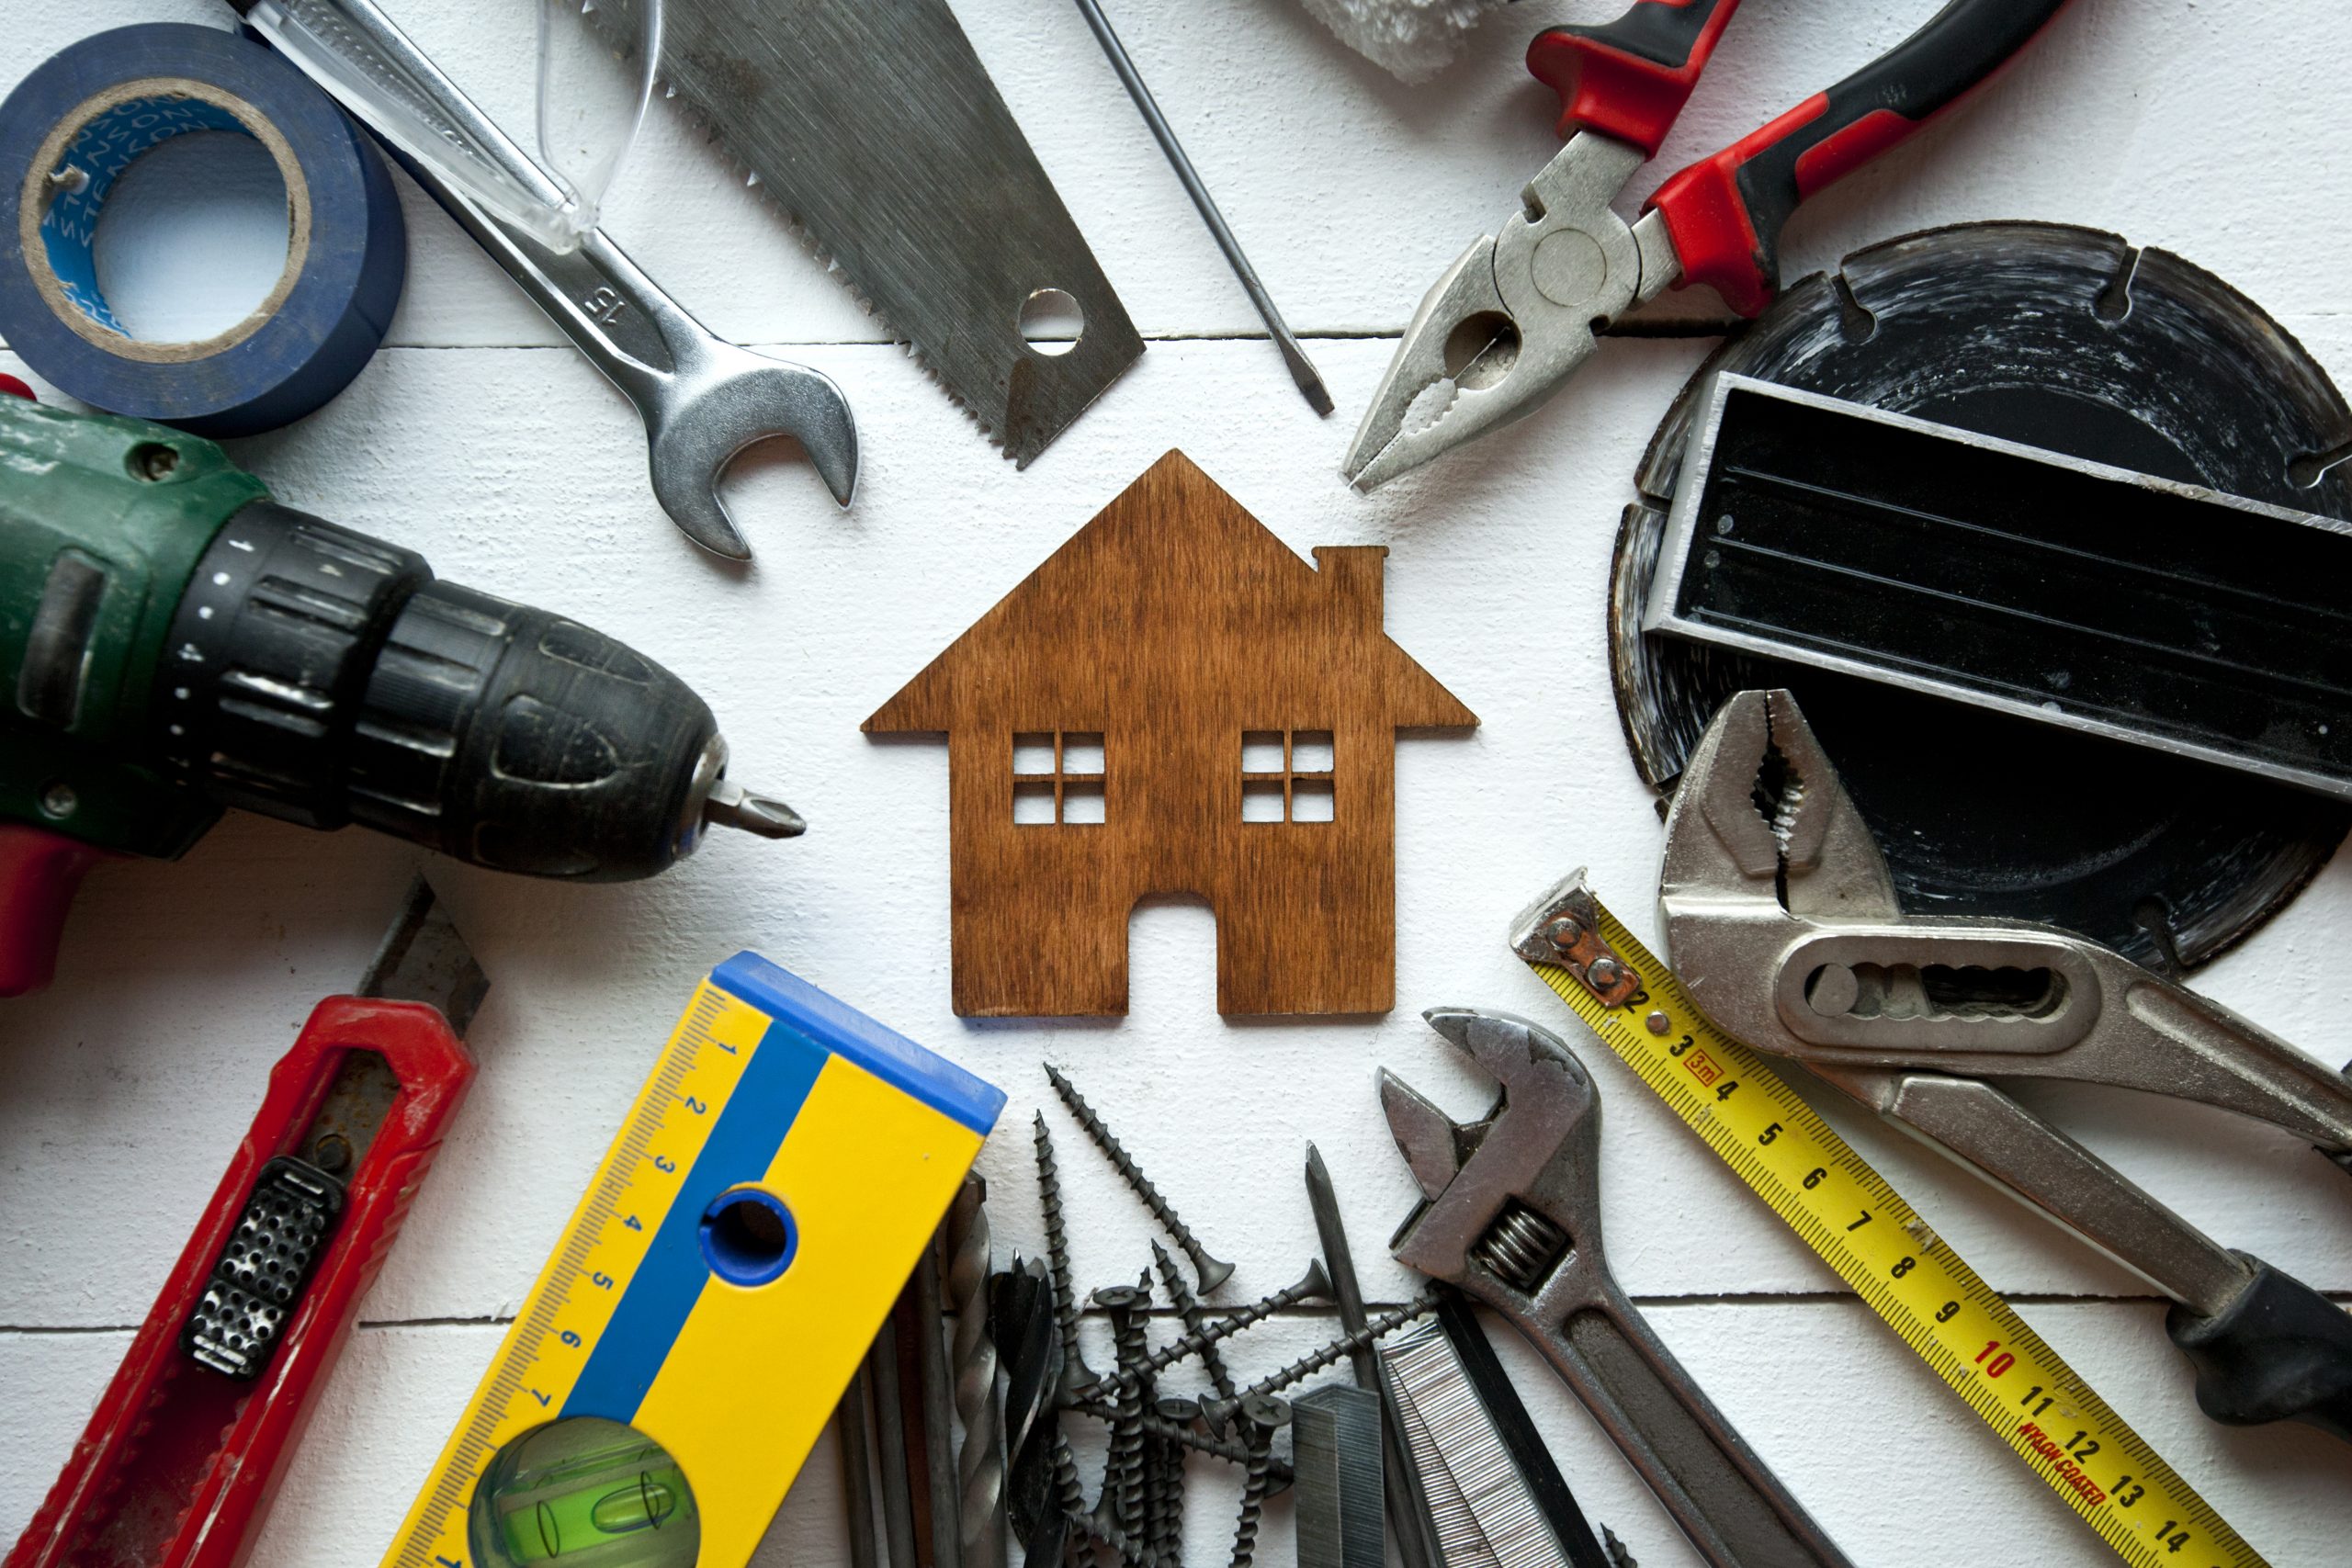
x: 1861, y: 1227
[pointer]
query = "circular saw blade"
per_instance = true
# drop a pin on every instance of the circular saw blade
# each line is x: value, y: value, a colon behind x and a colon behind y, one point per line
x: 2072, y: 340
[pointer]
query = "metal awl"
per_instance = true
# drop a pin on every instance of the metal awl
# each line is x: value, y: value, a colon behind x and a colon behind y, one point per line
x: 1302, y: 370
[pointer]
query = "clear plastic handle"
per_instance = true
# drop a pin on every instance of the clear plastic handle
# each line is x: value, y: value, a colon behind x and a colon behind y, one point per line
x: 594, y: 84
x: 597, y: 63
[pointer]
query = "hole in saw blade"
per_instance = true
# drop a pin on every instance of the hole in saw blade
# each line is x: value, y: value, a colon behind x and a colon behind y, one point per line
x: 1051, y: 323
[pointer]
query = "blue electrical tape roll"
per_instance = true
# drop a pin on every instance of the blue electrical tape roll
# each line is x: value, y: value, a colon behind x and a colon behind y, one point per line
x: 80, y: 118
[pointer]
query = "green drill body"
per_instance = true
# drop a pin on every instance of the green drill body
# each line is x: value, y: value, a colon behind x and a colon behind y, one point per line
x: 173, y: 642
x: 102, y: 523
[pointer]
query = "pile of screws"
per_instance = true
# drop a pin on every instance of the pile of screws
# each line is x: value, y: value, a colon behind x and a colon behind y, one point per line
x: 1139, y: 1516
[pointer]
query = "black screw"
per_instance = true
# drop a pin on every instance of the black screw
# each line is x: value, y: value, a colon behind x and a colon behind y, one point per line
x: 1220, y: 1411
x: 1188, y: 1308
x: 1314, y: 1283
x: 1212, y: 1271
x: 1128, y: 1547
x: 1123, y: 1475
x: 1262, y: 1415
x: 1192, y: 1437
x: 1076, y: 1374
x: 1069, y: 1494
x: 1164, y: 1533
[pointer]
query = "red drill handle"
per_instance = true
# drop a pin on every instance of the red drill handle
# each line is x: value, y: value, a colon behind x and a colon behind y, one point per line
x: 1630, y: 78
x: 40, y: 874
x: 1725, y: 213
x: 179, y: 1463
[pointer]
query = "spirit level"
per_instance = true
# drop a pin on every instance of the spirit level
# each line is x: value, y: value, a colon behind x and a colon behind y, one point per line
x: 782, y: 1170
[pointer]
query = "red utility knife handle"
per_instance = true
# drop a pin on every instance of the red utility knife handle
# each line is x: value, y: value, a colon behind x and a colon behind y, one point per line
x: 1725, y: 213
x: 178, y: 1463
x: 1630, y: 78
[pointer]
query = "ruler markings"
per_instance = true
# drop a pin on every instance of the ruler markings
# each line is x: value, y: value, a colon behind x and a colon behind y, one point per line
x: 2145, y: 1487
x: 480, y: 1438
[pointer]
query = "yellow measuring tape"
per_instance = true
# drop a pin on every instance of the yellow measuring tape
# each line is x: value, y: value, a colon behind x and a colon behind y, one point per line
x: 1861, y: 1227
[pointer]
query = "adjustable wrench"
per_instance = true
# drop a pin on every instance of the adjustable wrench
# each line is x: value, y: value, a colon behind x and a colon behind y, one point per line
x: 1512, y: 1215
x: 1783, y: 922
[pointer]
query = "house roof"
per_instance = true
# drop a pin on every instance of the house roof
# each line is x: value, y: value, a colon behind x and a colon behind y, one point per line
x: 1173, y: 561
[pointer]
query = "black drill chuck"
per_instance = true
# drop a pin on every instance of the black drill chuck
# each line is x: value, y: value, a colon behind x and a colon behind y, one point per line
x: 321, y: 676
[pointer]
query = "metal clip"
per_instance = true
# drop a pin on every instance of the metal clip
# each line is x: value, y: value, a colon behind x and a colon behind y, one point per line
x: 1563, y: 928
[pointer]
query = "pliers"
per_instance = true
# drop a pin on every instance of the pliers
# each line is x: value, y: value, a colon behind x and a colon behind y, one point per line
x: 1782, y: 920
x: 1516, y: 315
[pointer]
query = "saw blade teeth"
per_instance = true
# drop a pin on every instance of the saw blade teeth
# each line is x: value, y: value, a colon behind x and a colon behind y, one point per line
x: 765, y: 194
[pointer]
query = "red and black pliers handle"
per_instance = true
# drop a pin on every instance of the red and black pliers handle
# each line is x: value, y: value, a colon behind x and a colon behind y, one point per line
x: 1629, y: 79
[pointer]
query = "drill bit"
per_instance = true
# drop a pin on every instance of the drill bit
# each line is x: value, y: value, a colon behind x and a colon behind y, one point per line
x: 854, y: 1434
x: 1021, y: 1321
x: 938, y: 1451
x: 979, y: 1464
x: 1408, y: 1509
x: 890, y: 1443
x: 1302, y: 371
x: 1212, y: 1271
x: 729, y: 805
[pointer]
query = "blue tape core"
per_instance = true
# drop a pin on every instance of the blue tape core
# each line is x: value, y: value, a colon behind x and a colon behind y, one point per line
x: 740, y: 1247
x: 105, y: 147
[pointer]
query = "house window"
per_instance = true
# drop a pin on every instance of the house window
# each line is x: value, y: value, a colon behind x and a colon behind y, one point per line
x: 1286, y: 775
x: 1058, y: 777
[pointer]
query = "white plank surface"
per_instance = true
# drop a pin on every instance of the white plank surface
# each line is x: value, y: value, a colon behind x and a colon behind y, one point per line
x: 480, y: 439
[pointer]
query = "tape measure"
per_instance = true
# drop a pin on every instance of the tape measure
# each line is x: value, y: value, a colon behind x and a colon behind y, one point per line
x: 725, y: 1272
x: 1861, y: 1227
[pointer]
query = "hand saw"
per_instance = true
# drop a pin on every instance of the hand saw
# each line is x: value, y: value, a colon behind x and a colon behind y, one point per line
x: 873, y: 124
x: 179, y: 1461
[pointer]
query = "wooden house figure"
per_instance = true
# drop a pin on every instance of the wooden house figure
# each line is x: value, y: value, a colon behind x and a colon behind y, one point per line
x: 1175, y: 702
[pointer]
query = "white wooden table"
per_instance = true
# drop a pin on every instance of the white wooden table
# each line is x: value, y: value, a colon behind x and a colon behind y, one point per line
x: 478, y: 436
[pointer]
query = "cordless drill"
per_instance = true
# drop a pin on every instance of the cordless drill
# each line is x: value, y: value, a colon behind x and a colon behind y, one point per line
x: 173, y: 642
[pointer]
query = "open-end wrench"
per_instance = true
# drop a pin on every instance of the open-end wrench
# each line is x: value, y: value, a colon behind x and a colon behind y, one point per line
x: 1512, y: 1215
x: 703, y: 399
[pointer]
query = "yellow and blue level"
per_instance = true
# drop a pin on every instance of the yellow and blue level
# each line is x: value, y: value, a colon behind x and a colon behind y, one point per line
x: 741, y: 1243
